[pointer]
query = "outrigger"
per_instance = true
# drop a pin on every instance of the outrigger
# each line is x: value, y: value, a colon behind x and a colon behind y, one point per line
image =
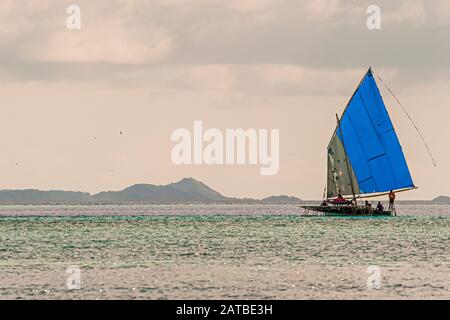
x: 365, y: 158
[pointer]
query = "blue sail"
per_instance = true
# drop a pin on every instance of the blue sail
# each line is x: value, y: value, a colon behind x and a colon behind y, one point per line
x: 374, y: 152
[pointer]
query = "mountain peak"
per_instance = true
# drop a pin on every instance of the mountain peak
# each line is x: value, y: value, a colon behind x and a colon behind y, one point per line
x: 188, y: 180
x: 192, y: 186
x: 441, y: 199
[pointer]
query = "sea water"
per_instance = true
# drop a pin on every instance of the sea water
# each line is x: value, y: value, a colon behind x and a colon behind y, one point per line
x: 221, y: 251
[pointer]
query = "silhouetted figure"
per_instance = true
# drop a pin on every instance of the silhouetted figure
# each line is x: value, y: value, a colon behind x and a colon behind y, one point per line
x: 380, y: 207
x: 391, y: 200
x: 339, y: 199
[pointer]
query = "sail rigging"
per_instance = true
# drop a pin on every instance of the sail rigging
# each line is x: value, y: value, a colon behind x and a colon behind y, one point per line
x: 371, y: 160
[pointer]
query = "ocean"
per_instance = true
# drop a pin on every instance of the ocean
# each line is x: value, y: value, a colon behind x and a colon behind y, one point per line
x: 221, y: 252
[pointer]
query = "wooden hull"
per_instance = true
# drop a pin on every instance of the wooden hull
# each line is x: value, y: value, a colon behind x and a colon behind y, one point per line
x: 344, y: 211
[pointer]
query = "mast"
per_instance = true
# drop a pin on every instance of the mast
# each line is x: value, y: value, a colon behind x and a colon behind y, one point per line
x: 346, y: 158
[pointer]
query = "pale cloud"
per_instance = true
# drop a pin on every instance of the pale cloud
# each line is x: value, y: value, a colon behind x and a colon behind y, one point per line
x: 210, y: 77
x: 258, y: 79
x: 440, y: 12
x: 312, y: 34
x: 412, y: 11
x: 335, y: 12
x: 108, y: 42
x: 17, y: 19
x: 245, y: 6
x: 324, y: 9
x: 114, y: 32
x: 250, y: 6
x: 298, y: 80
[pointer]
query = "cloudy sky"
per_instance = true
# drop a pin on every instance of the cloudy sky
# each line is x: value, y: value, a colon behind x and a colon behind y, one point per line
x: 146, y: 68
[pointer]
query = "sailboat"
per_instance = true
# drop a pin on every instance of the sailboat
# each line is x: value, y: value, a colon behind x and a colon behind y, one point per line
x: 365, y: 158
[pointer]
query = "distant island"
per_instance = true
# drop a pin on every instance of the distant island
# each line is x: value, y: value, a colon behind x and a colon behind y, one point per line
x: 281, y: 199
x: 441, y: 199
x: 187, y: 190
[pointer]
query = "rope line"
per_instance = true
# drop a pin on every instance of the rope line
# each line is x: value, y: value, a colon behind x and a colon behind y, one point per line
x: 410, y: 119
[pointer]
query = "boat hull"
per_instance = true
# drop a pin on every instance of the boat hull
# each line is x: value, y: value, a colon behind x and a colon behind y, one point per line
x: 344, y: 211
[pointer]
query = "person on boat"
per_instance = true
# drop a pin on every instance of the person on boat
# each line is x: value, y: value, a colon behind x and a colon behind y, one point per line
x: 380, y: 206
x: 391, y: 200
x: 368, y: 207
x: 339, y: 199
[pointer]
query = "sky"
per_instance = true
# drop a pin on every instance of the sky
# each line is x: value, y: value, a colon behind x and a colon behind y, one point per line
x: 93, y: 109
